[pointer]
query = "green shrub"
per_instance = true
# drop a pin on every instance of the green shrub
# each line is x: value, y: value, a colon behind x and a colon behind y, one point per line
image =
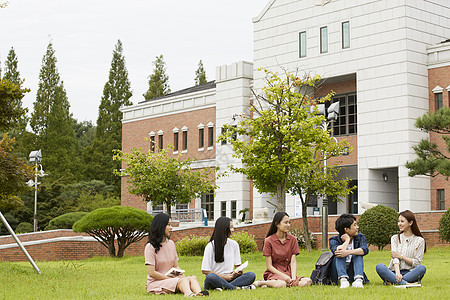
x: 246, y: 241
x: 444, y: 226
x: 65, y: 221
x: 126, y: 224
x: 24, y: 227
x: 192, y: 245
x: 300, y: 235
x: 378, y: 224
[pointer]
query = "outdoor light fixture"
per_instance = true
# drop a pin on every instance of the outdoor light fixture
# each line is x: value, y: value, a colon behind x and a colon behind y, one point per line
x: 36, y: 158
x: 332, y: 115
x: 385, y: 177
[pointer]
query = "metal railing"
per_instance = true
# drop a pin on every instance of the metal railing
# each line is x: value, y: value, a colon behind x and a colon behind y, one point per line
x: 183, y: 215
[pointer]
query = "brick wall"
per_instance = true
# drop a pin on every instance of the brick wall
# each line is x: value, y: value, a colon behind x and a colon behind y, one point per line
x: 87, y: 248
x: 439, y: 77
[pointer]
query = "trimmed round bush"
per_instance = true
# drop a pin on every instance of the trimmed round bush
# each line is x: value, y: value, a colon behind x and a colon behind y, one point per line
x: 444, y: 226
x: 126, y: 224
x: 378, y: 224
x: 24, y: 227
x: 246, y: 241
x: 65, y: 221
x: 192, y: 245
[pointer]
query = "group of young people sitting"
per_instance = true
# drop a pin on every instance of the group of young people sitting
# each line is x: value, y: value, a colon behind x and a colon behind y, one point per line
x: 222, y: 257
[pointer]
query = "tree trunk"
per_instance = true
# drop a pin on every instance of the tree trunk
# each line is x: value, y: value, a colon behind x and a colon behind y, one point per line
x: 281, y: 196
x: 169, y: 212
x: 111, y: 247
x: 305, y: 223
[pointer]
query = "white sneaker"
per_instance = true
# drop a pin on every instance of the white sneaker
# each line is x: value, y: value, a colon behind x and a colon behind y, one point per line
x: 358, y: 283
x: 248, y: 287
x: 408, y: 285
x: 218, y: 289
x: 344, y: 283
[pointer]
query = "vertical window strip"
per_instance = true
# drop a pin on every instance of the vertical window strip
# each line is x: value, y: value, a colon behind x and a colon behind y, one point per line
x: 211, y: 136
x: 175, y: 141
x: 345, y: 35
x: 201, y: 138
x: 302, y: 44
x: 438, y: 98
x: 323, y: 40
x: 185, y: 141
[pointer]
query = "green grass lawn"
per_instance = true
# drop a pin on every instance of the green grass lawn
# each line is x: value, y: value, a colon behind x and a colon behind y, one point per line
x: 107, y: 278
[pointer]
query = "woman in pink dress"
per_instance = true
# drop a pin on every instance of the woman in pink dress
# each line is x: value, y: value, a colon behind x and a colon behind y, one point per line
x: 160, y: 257
x: 281, y: 250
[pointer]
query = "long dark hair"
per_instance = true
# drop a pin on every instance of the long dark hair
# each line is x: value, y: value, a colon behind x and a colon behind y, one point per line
x: 157, y: 229
x: 219, y: 237
x: 409, y: 216
x: 276, y: 220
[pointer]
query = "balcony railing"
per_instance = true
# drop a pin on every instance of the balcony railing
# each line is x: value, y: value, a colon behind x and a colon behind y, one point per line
x: 183, y: 215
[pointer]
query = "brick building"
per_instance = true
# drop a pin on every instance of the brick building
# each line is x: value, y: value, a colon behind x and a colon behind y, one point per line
x: 386, y: 62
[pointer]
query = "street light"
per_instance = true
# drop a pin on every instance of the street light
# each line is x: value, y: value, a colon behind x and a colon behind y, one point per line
x: 333, y: 113
x: 36, y: 158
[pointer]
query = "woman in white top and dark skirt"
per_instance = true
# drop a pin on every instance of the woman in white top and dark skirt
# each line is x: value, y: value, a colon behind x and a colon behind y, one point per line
x: 221, y: 256
x: 407, y: 249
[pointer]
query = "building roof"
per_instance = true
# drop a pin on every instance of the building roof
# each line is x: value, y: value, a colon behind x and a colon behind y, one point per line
x: 196, y: 88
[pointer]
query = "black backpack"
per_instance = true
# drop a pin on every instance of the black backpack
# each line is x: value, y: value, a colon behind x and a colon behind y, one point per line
x: 323, y: 265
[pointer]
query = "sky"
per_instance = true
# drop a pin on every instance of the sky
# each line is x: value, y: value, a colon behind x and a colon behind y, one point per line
x: 84, y: 34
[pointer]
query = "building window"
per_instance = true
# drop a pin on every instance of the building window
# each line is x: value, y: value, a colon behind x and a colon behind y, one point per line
x: 182, y: 207
x: 347, y: 120
x: 441, y: 199
x: 175, y: 141
x: 160, y: 139
x: 152, y: 143
x: 208, y: 204
x: 323, y: 40
x: 201, y: 138
x: 345, y: 35
x: 302, y: 44
x: 352, y: 198
x: 233, y: 209
x: 223, y: 142
x: 184, y: 140
x: 438, y: 99
x: 210, y: 136
x: 158, y: 207
x: 223, y: 209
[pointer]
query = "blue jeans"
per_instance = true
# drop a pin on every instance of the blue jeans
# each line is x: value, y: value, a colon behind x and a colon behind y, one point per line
x: 354, y: 270
x: 413, y: 275
x: 213, y: 281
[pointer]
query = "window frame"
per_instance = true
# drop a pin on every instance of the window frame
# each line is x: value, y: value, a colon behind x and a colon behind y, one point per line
x: 207, y: 203
x: 345, y: 35
x: 440, y: 196
x: 350, y: 117
x: 323, y: 40
x: 302, y: 44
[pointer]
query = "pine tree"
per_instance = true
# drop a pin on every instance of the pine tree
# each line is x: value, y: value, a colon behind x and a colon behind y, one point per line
x: 108, y: 134
x: 11, y: 71
x: 200, y: 74
x: 13, y: 75
x: 52, y: 122
x: 158, y: 84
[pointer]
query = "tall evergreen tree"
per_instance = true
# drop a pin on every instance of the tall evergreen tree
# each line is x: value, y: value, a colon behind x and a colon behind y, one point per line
x: 158, y: 84
x: 52, y: 122
x: 11, y: 71
x: 200, y: 74
x: 108, y: 134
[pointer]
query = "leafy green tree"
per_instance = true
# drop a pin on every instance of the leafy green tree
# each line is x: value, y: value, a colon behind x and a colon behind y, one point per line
x: 378, y: 224
x: 200, y: 74
x: 24, y: 227
x: 158, y: 83
x: 127, y: 224
x: 11, y: 71
x: 65, y: 221
x: 444, y: 226
x: 108, y: 133
x: 14, y: 171
x: 84, y: 132
x: 431, y: 159
x: 52, y: 122
x: 163, y: 179
x: 279, y: 137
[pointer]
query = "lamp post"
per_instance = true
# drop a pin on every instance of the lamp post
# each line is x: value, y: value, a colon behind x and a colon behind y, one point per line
x: 331, y: 115
x: 36, y: 158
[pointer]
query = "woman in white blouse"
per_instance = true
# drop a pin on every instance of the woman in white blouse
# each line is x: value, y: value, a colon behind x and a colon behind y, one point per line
x: 407, y: 249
